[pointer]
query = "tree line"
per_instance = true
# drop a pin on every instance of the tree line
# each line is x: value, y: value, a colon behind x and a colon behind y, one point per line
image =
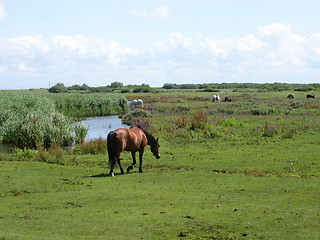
x: 208, y: 87
x: 113, y: 87
x: 215, y: 87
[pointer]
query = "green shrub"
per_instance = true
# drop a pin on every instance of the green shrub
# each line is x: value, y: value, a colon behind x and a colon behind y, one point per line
x: 58, y: 88
x: 269, y: 130
x: 198, y: 121
x: 25, y: 154
x: 181, y: 109
x: 134, y: 116
x: 95, y: 146
x: 81, y: 131
x: 125, y: 90
x: 230, y: 122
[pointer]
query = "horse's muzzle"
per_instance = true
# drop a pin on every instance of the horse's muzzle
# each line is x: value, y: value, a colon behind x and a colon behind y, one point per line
x: 158, y: 156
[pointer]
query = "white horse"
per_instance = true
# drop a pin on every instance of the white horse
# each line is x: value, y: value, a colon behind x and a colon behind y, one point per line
x: 136, y: 103
x: 216, y: 98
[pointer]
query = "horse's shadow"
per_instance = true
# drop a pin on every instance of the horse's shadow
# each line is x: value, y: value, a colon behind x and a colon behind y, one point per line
x: 103, y: 175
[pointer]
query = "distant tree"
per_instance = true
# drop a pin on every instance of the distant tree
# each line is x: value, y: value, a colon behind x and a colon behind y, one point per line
x: 101, y: 89
x: 85, y: 87
x: 143, y: 88
x: 76, y: 87
x: 169, y: 86
x: 125, y: 90
x: 116, y: 85
x: 58, y: 88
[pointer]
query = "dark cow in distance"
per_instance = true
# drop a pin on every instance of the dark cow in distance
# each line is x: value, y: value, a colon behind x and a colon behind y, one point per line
x: 310, y: 96
x: 228, y: 99
x: 290, y: 96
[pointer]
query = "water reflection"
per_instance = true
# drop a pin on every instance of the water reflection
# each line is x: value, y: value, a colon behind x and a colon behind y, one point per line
x: 101, y: 126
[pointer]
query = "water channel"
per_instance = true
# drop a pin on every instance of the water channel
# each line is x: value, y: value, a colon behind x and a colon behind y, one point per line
x: 101, y: 126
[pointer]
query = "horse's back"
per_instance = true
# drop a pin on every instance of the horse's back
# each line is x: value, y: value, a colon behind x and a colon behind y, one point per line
x: 131, y: 139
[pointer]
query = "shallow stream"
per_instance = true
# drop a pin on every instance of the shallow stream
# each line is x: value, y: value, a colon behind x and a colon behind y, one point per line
x: 101, y: 126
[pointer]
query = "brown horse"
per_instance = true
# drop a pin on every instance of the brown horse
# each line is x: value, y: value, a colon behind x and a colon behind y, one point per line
x: 134, y: 140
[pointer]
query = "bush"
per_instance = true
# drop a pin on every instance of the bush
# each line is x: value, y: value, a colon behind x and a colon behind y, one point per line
x: 125, y: 90
x: 81, y: 131
x: 181, y: 109
x: 198, y: 121
x: 269, y: 130
x: 144, y: 88
x: 95, y: 146
x: 211, y: 90
x: 58, y: 88
x: 25, y: 154
x: 134, y: 116
x: 261, y: 111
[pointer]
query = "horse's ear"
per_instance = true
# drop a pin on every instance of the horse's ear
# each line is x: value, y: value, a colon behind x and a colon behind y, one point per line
x: 157, y: 139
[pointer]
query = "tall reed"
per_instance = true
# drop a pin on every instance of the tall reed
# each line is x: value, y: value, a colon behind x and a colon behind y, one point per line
x: 31, y: 120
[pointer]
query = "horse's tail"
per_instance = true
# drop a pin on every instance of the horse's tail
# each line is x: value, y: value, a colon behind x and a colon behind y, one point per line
x: 112, y: 144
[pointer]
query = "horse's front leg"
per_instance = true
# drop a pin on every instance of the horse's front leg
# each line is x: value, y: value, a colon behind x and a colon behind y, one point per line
x: 140, y: 160
x: 133, y: 153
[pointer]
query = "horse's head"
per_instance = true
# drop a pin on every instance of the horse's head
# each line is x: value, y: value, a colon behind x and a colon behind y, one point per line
x: 155, y: 148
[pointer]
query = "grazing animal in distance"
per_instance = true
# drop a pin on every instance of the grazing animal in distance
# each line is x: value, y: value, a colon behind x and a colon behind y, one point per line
x: 134, y: 140
x: 216, y: 98
x: 228, y: 99
x: 136, y: 103
x: 310, y: 96
x: 290, y: 96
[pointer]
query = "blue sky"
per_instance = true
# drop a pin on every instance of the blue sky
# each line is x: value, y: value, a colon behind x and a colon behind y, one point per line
x: 97, y: 42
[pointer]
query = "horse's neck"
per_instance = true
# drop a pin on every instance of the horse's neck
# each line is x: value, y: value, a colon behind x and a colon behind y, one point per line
x: 150, y: 138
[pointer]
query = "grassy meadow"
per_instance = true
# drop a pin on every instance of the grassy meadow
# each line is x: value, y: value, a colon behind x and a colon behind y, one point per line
x: 246, y: 169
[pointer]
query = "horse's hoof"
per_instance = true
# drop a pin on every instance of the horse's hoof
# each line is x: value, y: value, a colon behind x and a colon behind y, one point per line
x: 111, y: 174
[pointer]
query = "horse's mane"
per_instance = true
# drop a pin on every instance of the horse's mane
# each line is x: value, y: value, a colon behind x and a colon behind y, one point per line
x: 148, y: 135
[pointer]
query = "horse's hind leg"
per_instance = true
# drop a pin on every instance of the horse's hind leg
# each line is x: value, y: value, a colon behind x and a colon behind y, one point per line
x: 133, y: 162
x: 121, y: 169
x: 112, y: 163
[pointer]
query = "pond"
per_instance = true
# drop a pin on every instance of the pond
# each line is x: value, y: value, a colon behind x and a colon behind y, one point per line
x: 101, y: 126
x: 97, y: 127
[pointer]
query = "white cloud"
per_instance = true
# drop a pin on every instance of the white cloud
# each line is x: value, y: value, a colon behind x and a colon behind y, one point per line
x: 275, y: 29
x: 90, y: 48
x: 139, y: 13
x: 248, y: 43
x: 273, y: 51
x: 25, y: 46
x: 161, y: 13
x: 176, y: 40
x: 285, y: 48
x: 24, y: 68
x: 315, y: 42
x: 3, y: 13
x: 212, y: 46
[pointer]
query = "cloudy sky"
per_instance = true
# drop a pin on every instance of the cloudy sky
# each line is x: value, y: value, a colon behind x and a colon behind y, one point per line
x: 44, y: 42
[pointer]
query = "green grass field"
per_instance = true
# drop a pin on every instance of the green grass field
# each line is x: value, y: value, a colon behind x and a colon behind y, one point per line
x: 233, y: 173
